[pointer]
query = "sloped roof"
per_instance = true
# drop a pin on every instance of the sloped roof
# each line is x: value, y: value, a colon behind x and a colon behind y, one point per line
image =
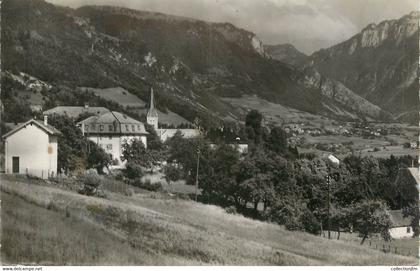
x: 415, y: 173
x: 398, y: 220
x: 47, y: 128
x: 118, y: 120
x: 76, y: 111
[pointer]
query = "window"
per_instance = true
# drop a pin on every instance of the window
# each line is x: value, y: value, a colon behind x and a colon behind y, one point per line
x: 101, y: 127
x: 133, y: 128
x: 87, y: 127
x: 408, y: 229
x: 109, y: 147
x: 92, y: 127
x: 127, y: 127
x: 139, y: 127
x: 110, y: 127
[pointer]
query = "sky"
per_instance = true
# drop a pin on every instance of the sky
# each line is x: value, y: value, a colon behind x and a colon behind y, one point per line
x: 307, y: 24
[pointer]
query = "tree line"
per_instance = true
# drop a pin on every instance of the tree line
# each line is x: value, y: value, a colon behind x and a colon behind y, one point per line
x: 269, y: 182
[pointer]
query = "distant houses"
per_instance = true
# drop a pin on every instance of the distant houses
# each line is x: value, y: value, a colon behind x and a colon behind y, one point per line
x: 111, y: 130
x: 31, y: 148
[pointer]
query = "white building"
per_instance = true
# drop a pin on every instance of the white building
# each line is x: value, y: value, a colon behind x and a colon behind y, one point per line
x: 152, y: 118
x: 31, y: 148
x: 111, y: 130
x: 401, y: 226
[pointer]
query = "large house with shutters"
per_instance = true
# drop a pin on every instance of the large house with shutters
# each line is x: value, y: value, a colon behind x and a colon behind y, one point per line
x: 111, y: 130
x: 31, y: 148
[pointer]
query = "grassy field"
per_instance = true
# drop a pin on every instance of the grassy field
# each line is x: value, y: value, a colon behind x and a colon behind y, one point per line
x: 275, y: 113
x: 405, y: 246
x: 44, y: 224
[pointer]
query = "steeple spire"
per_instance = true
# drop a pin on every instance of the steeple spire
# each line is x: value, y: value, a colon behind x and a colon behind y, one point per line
x: 152, y: 100
x: 152, y: 117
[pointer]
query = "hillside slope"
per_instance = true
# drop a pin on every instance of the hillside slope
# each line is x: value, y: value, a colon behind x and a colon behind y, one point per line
x: 185, y: 232
x: 191, y: 64
x: 380, y: 64
x: 286, y: 53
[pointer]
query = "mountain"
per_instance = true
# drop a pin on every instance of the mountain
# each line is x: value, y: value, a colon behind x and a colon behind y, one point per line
x: 192, y: 65
x: 380, y: 64
x: 286, y: 53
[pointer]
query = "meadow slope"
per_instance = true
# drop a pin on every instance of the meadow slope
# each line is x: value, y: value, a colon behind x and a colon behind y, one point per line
x: 151, y: 229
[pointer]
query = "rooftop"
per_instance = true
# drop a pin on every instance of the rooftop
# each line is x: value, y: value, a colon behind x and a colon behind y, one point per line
x: 398, y: 220
x: 47, y: 128
x: 112, y: 122
x: 76, y: 111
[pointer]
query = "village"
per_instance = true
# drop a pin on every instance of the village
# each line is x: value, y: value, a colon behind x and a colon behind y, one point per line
x: 32, y: 150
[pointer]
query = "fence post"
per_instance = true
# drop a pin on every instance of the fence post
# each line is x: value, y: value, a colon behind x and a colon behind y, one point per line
x: 383, y: 248
x: 370, y: 243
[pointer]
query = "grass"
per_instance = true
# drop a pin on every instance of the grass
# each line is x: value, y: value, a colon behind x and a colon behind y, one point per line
x: 405, y: 246
x: 35, y: 235
x: 150, y: 228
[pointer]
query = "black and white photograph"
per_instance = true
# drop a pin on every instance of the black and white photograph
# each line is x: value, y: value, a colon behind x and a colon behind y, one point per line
x: 225, y: 133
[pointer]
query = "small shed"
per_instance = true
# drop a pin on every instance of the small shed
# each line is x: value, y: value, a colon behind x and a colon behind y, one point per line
x: 401, y: 226
x: 31, y: 148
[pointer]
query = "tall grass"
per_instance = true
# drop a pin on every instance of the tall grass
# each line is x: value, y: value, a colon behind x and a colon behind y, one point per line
x: 147, y: 229
x: 35, y: 235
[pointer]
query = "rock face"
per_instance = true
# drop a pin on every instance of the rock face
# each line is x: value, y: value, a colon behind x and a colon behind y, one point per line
x: 192, y: 65
x: 286, y: 53
x: 380, y: 64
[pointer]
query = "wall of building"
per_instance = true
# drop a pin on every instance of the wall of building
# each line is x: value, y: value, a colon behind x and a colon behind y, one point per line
x: 401, y: 232
x: 113, y: 145
x: 37, y: 152
x: 242, y: 148
x: 164, y: 134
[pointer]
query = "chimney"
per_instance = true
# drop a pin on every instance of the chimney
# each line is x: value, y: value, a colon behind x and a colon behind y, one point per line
x: 45, y: 120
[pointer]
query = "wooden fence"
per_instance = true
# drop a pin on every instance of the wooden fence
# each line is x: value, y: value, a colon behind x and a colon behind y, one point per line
x: 405, y: 247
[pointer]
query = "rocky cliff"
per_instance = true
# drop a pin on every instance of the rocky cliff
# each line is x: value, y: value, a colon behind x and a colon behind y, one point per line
x: 191, y: 64
x: 380, y: 64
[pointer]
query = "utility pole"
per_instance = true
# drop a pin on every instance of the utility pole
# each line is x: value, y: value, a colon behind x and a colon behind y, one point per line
x: 197, y: 124
x: 332, y: 161
x: 328, y: 211
x: 196, y: 176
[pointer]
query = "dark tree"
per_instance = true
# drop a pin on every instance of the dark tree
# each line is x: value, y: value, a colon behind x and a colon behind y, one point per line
x: 253, y: 123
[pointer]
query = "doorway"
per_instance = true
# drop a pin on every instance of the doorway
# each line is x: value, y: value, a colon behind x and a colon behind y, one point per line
x: 15, y: 164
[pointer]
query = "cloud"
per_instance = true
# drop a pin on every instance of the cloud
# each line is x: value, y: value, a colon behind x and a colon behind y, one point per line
x: 307, y: 24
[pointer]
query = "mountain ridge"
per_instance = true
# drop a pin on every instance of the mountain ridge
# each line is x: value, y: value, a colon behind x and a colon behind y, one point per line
x: 379, y: 63
x: 191, y: 64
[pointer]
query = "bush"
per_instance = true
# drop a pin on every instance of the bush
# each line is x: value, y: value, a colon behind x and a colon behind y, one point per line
x: 231, y: 210
x: 133, y: 171
x: 172, y: 173
x: 310, y: 223
x: 151, y: 186
x: 91, y: 184
x: 147, y: 185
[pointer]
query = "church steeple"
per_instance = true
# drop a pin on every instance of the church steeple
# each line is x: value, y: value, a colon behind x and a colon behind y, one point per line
x: 152, y: 116
x: 152, y: 100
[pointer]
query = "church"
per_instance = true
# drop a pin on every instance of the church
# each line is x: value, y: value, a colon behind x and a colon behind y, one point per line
x: 152, y: 118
